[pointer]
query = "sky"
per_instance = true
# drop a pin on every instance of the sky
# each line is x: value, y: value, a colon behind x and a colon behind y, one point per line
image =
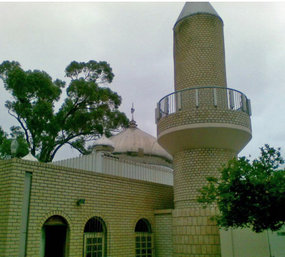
x: 136, y: 39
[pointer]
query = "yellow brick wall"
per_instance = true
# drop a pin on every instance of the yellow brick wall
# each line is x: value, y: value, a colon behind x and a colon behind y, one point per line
x: 194, y: 234
x: 120, y: 202
x: 163, y: 233
x: 11, y: 197
x: 4, y: 210
x: 204, y: 115
x: 191, y: 167
x: 199, y: 58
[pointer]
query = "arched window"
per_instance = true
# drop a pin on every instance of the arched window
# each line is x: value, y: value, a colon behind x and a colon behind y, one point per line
x: 95, y: 238
x: 54, y: 237
x: 144, y: 244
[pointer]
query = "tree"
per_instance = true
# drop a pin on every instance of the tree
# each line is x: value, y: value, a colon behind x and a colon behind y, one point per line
x: 89, y: 109
x: 249, y: 194
x: 6, y: 140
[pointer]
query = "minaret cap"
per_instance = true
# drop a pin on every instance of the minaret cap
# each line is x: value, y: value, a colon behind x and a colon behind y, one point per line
x: 192, y: 8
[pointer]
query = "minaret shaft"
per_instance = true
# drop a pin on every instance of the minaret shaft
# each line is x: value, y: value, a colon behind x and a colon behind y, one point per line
x: 199, y: 58
x: 191, y: 167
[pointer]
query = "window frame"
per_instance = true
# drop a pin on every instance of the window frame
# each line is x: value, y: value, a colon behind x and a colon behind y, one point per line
x: 95, y: 235
x: 144, y: 242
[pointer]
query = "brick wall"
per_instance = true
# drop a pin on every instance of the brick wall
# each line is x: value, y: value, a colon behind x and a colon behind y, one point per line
x: 204, y: 115
x: 4, y: 210
x: 11, y: 197
x: 163, y: 233
x: 191, y: 167
x: 199, y: 56
x: 120, y: 202
x: 194, y: 234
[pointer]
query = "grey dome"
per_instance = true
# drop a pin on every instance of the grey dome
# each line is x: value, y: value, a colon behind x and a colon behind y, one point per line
x: 134, y: 140
x: 104, y: 143
x: 30, y: 157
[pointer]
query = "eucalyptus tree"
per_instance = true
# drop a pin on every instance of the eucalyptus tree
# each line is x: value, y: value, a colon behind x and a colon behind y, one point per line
x: 89, y: 108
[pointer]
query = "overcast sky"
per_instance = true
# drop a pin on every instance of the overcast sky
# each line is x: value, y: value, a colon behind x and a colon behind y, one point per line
x: 137, y: 40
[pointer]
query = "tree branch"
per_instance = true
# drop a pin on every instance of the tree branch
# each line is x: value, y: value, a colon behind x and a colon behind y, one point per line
x: 74, y: 108
x: 65, y: 141
x: 23, y: 127
x: 80, y: 151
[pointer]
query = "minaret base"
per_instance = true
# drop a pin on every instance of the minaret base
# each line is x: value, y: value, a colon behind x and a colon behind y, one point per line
x: 195, y: 234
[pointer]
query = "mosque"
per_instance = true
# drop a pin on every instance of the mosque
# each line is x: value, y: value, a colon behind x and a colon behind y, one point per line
x: 135, y: 195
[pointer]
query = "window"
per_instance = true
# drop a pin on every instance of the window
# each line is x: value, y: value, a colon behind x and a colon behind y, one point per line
x: 143, y: 239
x: 95, y: 238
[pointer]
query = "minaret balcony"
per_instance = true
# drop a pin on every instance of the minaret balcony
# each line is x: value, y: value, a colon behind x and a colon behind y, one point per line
x: 217, y: 117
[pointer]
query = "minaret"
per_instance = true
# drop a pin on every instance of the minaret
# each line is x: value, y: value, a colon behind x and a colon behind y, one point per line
x: 202, y: 124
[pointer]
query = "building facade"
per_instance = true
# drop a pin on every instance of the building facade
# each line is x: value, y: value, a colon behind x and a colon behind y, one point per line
x: 45, y: 210
x: 131, y: 197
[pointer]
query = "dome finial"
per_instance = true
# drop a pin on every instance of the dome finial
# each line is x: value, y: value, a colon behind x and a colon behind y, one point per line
x: 133, y: 123
x: 132, y: 111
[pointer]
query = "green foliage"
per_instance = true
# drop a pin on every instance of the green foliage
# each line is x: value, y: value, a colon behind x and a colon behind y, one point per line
x: 6, y: 140
x: 249, y: 194
x: 88, y: 110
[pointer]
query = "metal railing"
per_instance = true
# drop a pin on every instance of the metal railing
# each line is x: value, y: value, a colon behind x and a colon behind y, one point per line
x: 215, y: 97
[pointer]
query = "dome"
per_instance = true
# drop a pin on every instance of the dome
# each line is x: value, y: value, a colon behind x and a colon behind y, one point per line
x: 103, y: 143
x: 30, y: 157
x: 135, y: 141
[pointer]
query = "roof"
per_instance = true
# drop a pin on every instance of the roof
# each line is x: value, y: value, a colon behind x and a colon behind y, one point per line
x: 192, y: 8
x: 103, y: 144
x: 135, y: 140
x: 30, y: 157
x: 104, y: 141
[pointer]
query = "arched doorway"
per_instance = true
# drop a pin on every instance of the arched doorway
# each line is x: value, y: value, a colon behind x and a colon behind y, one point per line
x: 143, y: 237
x: 54, y: 237
x: 95, y: 243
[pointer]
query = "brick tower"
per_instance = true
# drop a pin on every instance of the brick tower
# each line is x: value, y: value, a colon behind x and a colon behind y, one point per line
x: 202, y: 124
